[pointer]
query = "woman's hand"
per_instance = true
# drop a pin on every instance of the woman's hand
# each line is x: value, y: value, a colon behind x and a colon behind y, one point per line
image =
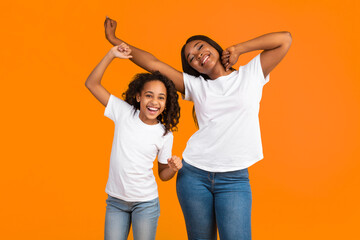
x: 175, y: 163
x: 121, y: 51
x: 229, y: 57
x: 110, y: 28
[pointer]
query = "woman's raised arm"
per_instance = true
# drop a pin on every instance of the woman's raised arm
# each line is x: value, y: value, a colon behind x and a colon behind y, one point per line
x: 275, y: 46
x: 145, y: 59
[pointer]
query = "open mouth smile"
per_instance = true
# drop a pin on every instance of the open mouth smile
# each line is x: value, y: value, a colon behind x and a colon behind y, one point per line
x: 204, y: 59
x: 153, y: 110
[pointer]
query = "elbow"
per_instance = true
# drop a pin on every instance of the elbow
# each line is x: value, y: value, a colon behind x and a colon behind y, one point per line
x: 287, y: 38
x: 88, y: 84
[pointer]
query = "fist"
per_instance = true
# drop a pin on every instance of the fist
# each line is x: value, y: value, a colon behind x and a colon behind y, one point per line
x: 229, y: 57
x: 175, y: 163
x: 110, y: 27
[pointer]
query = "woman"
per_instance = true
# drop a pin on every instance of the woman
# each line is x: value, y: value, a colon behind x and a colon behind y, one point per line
x: 213, y: 186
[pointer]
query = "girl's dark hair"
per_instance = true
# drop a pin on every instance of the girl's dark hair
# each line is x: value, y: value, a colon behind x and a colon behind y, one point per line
x: 171, y: 114
x: 191, y: 71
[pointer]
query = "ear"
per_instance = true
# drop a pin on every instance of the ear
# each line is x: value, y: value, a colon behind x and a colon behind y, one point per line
x: 138, y: 97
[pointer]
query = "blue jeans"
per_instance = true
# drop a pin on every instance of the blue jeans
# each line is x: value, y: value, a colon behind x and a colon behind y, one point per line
x: 211, y: 200
x: 121, y: 214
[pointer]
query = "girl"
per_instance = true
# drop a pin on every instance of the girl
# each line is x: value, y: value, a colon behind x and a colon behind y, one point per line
x: 213, y: 185
x: 143, y: 124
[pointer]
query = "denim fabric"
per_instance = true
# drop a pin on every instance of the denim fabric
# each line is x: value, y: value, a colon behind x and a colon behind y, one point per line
x: 120, y: 215
x: 211, y: 200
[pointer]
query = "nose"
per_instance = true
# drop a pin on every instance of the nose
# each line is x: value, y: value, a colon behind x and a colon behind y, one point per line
x: 199, y: 55
x: 154, y: 102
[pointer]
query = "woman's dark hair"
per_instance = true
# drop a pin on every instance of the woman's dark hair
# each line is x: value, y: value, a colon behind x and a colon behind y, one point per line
x: 186, y: 66
x: 191, y: 71
x: 171, y: 114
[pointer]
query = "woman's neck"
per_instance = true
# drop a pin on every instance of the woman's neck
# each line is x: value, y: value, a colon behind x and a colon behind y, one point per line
x: 219, y: 71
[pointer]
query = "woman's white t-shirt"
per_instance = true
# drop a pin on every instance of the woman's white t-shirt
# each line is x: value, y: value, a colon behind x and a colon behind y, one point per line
x: 134, y: 149
x: 227, y: 110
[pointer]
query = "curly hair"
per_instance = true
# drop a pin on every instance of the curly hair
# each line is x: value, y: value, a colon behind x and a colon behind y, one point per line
x: 171, y: 114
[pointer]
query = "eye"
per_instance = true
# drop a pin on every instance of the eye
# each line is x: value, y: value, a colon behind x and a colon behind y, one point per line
x: 191, y: 58
x: 148, y: 95
x: 200, y: 47
x: 161, y: 98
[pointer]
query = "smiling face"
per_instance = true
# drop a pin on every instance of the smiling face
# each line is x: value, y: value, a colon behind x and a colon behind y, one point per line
x: 152, y: 101
x: 203, y: 57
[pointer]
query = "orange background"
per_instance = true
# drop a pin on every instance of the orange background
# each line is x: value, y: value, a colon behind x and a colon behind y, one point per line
x: 56, y: 143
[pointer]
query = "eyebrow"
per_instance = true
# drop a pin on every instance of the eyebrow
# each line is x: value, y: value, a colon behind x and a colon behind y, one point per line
x: 153, y: 93
x: 193, y: 47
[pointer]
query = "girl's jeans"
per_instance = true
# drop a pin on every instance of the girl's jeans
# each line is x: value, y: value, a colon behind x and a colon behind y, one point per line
x: 211, y: 200
x: 121, y: 214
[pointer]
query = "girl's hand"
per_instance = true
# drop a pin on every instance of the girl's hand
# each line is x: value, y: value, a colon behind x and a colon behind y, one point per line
x: 175, y: 163
x: 121, y: 51
x: 110, y: 27
x: 229, y: 57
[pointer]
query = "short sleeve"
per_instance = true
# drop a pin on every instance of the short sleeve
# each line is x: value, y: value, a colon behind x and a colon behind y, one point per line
x: 254, y: 67
x: 115, y: 108
x: 166, y: 150
x: 189, y: 82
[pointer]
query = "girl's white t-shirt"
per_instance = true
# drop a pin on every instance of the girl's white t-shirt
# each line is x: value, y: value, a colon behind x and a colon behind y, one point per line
x: 134, y: 149
x: 227, y: 110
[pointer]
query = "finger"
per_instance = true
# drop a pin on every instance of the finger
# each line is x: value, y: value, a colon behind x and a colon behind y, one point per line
x: 122, y: 46
x: 224, y: 61
x: 224, y: 53
x: 106, y: 23
x: 228, y: 66
x: 225, y: 56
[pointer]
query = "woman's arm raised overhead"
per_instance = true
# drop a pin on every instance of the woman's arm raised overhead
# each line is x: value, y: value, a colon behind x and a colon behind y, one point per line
x: 275, y: 46
x: 145, y: 59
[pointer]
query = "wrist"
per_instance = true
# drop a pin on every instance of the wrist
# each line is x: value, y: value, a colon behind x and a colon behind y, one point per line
x: 111, y: 38
x: 110, y: 55
x: 240, y: 49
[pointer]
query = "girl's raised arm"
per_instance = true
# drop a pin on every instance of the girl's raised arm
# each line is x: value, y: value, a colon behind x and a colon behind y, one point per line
x: 275, y: 46
x: 93, y: 82
x: 145, y: 59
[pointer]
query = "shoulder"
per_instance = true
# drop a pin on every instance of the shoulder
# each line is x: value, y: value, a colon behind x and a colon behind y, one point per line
x: 253, y: 65
x: 191, y: 80
x: 118, y: 108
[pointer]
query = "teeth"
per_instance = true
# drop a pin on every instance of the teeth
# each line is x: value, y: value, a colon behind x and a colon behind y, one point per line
x: 205, y: 59
x: 152, y: 109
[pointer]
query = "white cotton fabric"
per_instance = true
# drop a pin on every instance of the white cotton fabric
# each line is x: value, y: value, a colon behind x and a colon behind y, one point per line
x: 134, y: 149
x: 227, y: 110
